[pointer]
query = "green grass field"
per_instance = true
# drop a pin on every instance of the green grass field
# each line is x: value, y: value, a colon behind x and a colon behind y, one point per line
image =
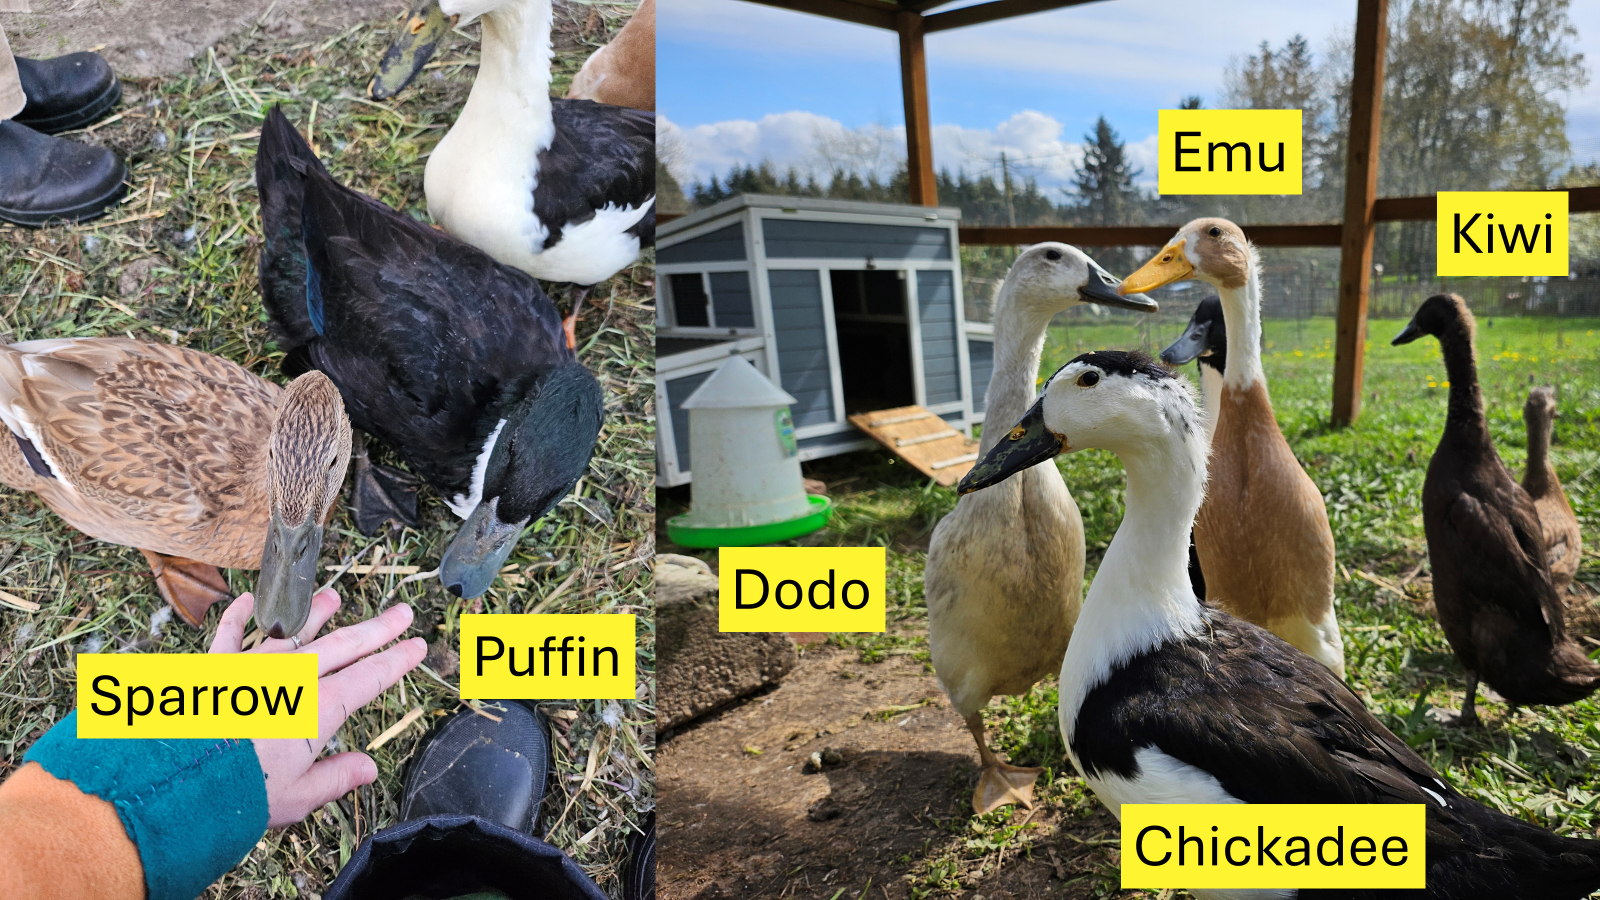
x: 1536, y: 764
x: 177, y: 262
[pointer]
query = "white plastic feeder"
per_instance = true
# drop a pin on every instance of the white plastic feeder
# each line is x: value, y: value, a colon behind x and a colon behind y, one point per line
x: 747, y: 487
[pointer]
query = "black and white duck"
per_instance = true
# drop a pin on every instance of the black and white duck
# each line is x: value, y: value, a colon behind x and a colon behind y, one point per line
x: 1164, y: 700
x: 457, y: 362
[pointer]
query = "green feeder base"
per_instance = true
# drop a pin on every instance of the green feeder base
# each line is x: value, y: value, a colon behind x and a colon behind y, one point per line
x: 750, y: 535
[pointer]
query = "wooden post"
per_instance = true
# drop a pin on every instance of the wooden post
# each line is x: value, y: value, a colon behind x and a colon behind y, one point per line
x: 1360, y: 194
x: 914, y: 85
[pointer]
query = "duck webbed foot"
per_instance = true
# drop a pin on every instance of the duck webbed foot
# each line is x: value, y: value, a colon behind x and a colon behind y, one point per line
x: 381, y: 493
x: 189, y: 587
x: 999, y: 784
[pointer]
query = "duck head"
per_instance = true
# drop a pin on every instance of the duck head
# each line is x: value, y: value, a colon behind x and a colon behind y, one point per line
x: 545, y: 432
x: 426, y: 26
x: 1204, y: 338
x: 1051, y: 277
x: 1212, y: 250
x: 306, y: 458
x: 1540, y: 410
x: 1445, y: 316
x: 1107, y: 400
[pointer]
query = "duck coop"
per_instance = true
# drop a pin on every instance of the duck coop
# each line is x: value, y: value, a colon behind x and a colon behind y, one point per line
x: 849, y: 307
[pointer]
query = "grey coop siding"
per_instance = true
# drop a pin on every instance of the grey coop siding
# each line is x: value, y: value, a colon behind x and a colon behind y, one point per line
x: 802, y: 344
x: 981, y: 355
x: 730, y: 297
x: 801, y: 239
x: 722, y: 244
x: 678, y: 390
x: 936, y: 311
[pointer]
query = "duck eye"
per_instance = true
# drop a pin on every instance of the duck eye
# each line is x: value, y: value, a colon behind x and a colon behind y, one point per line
x: 1016, y: 433
x: 1052, y: 255
x: 1089, y: 379
x: 1167, y: 258
x: 1215, y: 231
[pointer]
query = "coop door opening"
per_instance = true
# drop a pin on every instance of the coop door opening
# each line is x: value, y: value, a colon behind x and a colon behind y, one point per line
x: 870, y: 316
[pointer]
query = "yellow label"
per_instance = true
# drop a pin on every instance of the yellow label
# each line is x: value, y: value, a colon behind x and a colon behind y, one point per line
x: 537, y: 657
x: 197, y: 695
x: 1502, y: 233
x: 1228, y: 151
x: 801, y: 589
x: 1271, y: 845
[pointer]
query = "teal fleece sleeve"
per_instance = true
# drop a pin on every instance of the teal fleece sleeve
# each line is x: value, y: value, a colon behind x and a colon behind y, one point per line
x: 193, y: 808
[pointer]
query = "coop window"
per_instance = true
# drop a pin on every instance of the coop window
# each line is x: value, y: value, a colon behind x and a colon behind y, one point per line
x: 689, y: 301
x: 728, y: 305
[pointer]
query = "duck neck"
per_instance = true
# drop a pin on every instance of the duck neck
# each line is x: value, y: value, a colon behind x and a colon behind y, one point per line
x: 1141, y: 596
x: 1465, y: 416
x: 1241, y: 314
x: 1540, y: 473
x: 1019, y: 333
x: 512, y: 89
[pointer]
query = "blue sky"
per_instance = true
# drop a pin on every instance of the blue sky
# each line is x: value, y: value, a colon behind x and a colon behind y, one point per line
x: 740, y: 82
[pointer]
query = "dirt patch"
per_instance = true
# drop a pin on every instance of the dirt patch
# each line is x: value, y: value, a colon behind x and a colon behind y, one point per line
x: 744, y: 815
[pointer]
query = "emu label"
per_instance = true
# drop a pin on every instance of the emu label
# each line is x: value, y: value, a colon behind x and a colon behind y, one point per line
x: 1502, y: 233
x: 197, y: 695
x: 536, y: 657
x: 1228, y: 151
x: 801, y: 589
x: 1274, y: 845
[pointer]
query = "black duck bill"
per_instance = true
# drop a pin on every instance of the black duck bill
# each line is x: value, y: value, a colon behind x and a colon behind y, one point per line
x: 288, y: 576
x: 479, y: 549
x: 1189, y: 346
x: 426, y: 25
x: 1024, y: 446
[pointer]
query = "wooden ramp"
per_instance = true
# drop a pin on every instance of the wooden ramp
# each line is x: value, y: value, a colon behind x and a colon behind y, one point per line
x: 922, y: 439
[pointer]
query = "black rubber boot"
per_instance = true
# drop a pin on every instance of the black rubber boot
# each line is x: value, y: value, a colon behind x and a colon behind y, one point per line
x: 475, y: 766
x: 639, y: 876
x: 67, y: 92
x: 44, y: 179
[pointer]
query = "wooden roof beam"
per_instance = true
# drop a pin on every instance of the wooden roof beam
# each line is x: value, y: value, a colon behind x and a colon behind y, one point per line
x: 876, y: 15
x: 992, y: 12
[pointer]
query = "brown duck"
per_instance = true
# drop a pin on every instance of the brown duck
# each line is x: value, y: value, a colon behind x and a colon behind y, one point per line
x: 1563, y: 540
x: 1492, y: 585
x: 186, y: 456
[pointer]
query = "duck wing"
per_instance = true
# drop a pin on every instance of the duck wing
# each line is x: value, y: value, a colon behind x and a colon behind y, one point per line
x: 282, y: 160
x: 1498, y: 550
x: 601, y: 156
x: 422, y: 333
x: 1272, y: 725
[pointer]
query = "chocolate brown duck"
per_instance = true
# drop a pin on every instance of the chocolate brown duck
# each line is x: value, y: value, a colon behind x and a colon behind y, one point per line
x: 1563, y: 540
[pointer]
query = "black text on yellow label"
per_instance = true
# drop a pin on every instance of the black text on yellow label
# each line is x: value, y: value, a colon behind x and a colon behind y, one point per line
x: 1228, y: 151
x: 1265, y: 845
x: 197, y: 695
x: 533, y: 656
x: 1502, y: 233
x: 801, y: 589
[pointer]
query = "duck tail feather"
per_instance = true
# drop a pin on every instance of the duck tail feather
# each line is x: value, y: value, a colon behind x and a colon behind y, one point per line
x: 283, y: 160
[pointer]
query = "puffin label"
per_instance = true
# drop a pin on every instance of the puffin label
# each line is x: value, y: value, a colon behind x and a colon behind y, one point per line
x: 534, y: 657
x: 1522, y: 233
x: 1228, y: 151
x: 802, y: 589
x: 197, y: 695
x: 1274, y: 845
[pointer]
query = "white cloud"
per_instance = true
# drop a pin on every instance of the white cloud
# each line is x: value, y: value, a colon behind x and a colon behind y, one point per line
x: 1035, y: 144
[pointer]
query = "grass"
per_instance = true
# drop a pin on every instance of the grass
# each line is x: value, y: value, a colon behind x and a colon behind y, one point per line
x: 1536, y: 765
x: 177, y: 262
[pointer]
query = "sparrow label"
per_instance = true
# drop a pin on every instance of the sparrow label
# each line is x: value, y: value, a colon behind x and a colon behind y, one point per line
x: 197, y: 695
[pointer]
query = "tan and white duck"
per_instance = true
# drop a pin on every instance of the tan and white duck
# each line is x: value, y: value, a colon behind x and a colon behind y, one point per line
x: 623, y: 72
x: 1563, y: 539
x: 1262, y: 536
x: 184, y: 455
x: 1004, y: 576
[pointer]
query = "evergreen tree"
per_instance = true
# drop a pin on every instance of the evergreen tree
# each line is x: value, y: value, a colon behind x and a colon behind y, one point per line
x: 1104, y: 184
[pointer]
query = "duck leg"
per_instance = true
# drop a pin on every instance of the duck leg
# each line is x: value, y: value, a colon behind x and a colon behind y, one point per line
x: 381, y: 493
x: 189, y: 587
x: 570, y: 322
x: 1469, y: 711
x: 999, y: 784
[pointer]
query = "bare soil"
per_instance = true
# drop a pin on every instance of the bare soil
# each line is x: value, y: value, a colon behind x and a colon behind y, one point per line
x: 742, y: 815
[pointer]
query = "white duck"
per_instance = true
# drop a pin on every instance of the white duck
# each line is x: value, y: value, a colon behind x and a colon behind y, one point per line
x: 1004, y: 575
x: 1164, y: 700
x: 1262, y: 537
x: 561, y: 189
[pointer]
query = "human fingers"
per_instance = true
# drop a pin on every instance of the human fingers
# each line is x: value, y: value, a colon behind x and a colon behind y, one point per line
x: 344, y: 646
x: 326, y: 781
x: 230, y: 630
x: 339, y: 695
x: 323, y: 607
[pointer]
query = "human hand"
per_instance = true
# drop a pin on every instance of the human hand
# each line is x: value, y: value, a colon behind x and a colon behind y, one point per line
x: 351, y: 676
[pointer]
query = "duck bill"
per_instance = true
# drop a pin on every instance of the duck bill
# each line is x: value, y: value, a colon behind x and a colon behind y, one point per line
x: 1102, y: 289
x: 1187, y: 347
x: 479, y: 549
x: 1409, y: 334
x: 1024, y: 446
x: 425, y: 27
x: 1168, y: 266
x: 288, y: 576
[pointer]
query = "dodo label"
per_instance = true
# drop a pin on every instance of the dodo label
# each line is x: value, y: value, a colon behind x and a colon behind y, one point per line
x: 802, y: 589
